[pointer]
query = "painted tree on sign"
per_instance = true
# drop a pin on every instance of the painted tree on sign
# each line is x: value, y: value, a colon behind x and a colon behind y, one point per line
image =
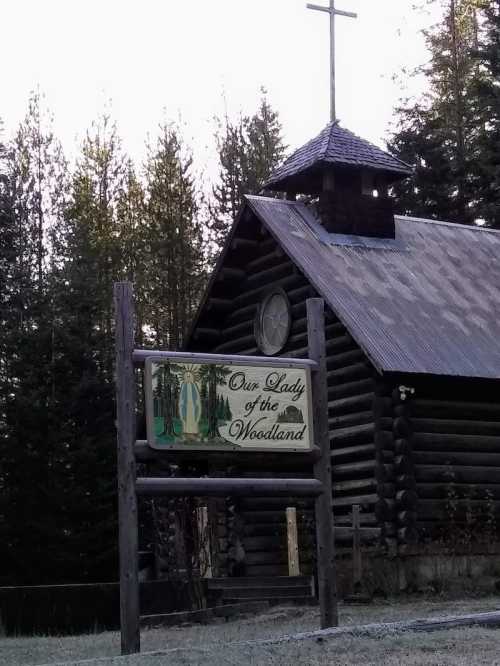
x: 214, y: 376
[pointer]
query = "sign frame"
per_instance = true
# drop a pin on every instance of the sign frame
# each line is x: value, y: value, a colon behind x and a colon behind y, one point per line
x: 215, y: 359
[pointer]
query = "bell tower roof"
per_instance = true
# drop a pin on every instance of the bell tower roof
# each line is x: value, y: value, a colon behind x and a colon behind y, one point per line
x: 337, y: 149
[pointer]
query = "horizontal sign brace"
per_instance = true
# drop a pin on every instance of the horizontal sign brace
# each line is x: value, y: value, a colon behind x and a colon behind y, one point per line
x: 140, y: 355
x: 145, y: 453
x: 221, y: 487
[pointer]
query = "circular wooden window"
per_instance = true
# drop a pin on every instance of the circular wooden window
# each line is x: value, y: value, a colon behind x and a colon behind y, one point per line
x: 272, y: 322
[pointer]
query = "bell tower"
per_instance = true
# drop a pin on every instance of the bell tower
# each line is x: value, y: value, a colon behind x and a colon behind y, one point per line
x: 349, y: 177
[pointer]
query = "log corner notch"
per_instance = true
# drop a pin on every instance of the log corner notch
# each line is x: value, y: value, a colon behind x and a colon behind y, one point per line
x: 326, y: 566
x: 127, y: 498
x: 393, y: 442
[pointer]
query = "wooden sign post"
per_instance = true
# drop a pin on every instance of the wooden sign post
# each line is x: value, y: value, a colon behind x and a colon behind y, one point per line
x: 127, y: 499
x: 325, y: 543
x: 212, y: 402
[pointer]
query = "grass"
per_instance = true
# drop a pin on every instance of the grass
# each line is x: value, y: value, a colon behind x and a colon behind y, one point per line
x: 213, y: 645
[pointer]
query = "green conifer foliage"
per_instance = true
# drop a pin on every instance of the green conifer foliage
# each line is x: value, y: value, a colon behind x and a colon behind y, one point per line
x: 437, y: 133
x: 248, y: 150
x: 175, y: 260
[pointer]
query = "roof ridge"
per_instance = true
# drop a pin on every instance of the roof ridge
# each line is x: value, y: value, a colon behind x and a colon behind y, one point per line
x: 427, y: 220
x: 329, y: 136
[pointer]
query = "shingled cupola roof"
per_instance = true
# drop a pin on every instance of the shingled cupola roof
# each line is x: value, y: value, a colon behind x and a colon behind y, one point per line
x: 338, y: 149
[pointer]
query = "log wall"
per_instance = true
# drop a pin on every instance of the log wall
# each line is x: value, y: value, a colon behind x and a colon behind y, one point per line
x: 455, y: 453
x: 256, y: 527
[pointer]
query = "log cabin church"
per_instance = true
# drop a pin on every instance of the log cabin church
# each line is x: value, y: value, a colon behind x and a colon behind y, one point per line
x: 413, y: 356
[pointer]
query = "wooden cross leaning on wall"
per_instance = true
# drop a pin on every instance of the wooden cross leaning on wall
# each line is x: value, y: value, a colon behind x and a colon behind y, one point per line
x: 333, y: 12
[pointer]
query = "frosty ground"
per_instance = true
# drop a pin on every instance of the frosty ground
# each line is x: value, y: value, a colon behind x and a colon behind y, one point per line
x: 215, y: 644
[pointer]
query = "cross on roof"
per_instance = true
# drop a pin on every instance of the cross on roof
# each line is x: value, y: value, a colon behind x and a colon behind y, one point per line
x: 333, y: 13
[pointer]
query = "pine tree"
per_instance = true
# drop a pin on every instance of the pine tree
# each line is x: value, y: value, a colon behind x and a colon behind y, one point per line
x: 486, y: 90
x: 437, y: 133
x: 36, y: 176
x: 248, y: 150
x: 176, y: 273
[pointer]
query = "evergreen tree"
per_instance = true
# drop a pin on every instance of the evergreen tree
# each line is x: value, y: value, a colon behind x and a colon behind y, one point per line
x: 36, y: 177
x: 437, y: 134
x: 248, y: 151
x: 486, y: 92
x: 85, y: 354
x: 175, y: 268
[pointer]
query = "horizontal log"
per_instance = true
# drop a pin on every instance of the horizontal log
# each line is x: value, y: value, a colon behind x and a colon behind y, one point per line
x: 230, y: 273
x: 267, y: 259
x: 298, y: 297
x: 350, y: 389
x: 351, y: 404
x: 460, y: 474
x: 365, y: 517
x: 140, y: 355
x: 353, y: 435
x: 440, y: 509
x: 440, y: 441
x: 238, y: 330
x: 300, y: 338
x: 235, y: 344
x: 382, y: 489
x: 212, y: 334
x: 362, y: 500
x: 255, y: 295
x: 354, y: 468
x: 461, y: 490
x: 457, y: 458
x: 253, y: 503
x: 269, y: 276
x: 361, y: 451
x: 247, y: 244
x: 241, y: 314
x: 349, y: 373
x: 339, y: 344
x: 382, y: 472
x: 271, y: 516
x: 365, y: 533
x: 343, y: 359
x: 456, y: 426
x: 456, y: 409
x: 251, y: 351
x: 222, y: 305
x: 353, y: 419
x: 221, y: 487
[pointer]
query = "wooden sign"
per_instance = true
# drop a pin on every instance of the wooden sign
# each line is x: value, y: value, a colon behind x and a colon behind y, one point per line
x: 227, y: 405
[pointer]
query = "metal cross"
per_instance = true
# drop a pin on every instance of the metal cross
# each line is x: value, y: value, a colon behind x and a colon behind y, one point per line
x: 333, y: 13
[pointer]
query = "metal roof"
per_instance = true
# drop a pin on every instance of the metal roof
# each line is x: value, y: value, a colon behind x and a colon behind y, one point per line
x: 335, y: 146
x: 427, y: 304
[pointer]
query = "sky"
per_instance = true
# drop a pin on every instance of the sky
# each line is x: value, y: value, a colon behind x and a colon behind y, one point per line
x: 150, y: 60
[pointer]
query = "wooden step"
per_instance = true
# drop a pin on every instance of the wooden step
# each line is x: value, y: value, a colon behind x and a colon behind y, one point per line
x: 281, y: 601
x: 264, y: 592
x: 258, y: 581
